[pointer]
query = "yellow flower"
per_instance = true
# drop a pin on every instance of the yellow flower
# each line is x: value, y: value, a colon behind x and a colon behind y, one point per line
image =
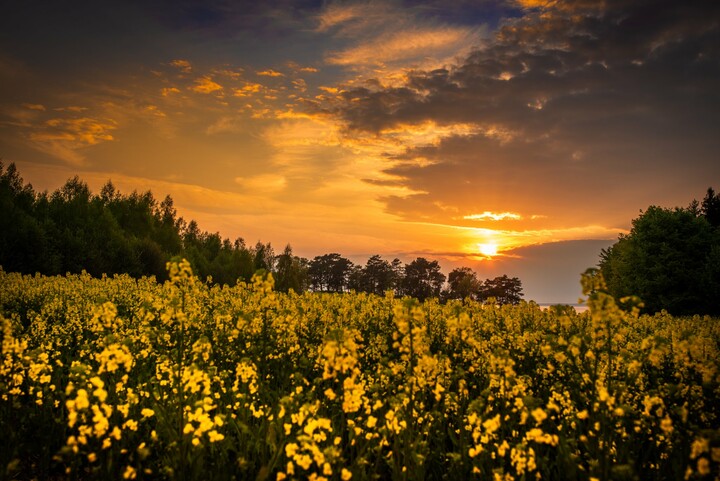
x: 291, y: 449
x: 345, y: 475
x: 539, y: 415
x: 129, y: 473
x: 666, y: 425
x: 703, y: 466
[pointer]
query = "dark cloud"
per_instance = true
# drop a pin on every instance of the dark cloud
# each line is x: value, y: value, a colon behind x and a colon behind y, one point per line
x: 621, y: 95
x: 463, y: 12
x: 232, y: 17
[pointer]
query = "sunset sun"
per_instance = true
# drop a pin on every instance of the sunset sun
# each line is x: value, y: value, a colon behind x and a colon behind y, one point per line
x: 489, y: 249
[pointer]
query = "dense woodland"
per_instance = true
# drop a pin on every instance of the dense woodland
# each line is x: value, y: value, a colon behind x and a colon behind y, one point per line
x: 72, y: 230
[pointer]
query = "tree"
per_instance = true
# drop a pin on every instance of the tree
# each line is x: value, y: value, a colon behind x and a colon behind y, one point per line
x: 504, y: 289
x: 23, y: 243
x: 329, y: 273
x: 423, y: 279
x: 264, y: 257
x: 462, y: 283
x: 670, y: 259
x: 291, y: 272
x: 168, y: 231
x: 379, y: 275
x: 710, y: 207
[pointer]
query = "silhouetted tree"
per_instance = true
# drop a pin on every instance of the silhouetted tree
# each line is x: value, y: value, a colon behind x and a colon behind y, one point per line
x: 504, y: 289
x: 264, y: 257
x: 423, y: 279
x: 329, y: 272
x: 357, y: 280
x: 710, y: 207
x: 291, y: 272
x: 379, y: 276
x: 462, y: 283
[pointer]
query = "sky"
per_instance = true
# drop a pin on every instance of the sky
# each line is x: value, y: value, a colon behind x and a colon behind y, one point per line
x: 514, y: 137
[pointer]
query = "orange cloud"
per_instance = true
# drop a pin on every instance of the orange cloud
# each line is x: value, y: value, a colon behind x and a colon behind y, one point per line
x: 64, y: 138
x: 335, y: 15
x: 169, y: 90
x: 295, y: 67
x: 84, y: 130
x: 270, y: 73
x: 39, y: 107
x: 205, y: 85
x: 72, y: 108
x: 487, y: 215
x: 536, y: 3
x: 407, y: 44
x: 247, y: 90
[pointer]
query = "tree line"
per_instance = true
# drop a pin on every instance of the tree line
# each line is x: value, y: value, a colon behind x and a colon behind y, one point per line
x: 670, y: 259
x: 72, y: 229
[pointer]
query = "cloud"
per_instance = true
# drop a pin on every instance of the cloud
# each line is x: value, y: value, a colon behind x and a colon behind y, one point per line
x: 226, y: 124
x: 586, y: 97
x: 410, y: 44
x: 248, y: 89
x: 183, y: 65
x: 383, y: 40
x: 66, y: 137
x: 270, y: 73
x: 205, y: 85
x: 338, y: 14
x: 169, y: 91
x: 493, y: 216
x: 71, y: 108
x: 39, y: 107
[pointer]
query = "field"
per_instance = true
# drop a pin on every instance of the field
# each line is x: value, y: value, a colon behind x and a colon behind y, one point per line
x: 129, y: 379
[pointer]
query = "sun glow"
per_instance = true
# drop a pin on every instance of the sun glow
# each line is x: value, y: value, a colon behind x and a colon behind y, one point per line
x: 489, y: 249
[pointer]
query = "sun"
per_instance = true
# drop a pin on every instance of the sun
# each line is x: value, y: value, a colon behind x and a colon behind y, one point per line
x: 489, y: 249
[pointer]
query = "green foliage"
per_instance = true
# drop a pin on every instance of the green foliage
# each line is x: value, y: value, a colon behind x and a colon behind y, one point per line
x: 72, y: 230
x: 670, y: 259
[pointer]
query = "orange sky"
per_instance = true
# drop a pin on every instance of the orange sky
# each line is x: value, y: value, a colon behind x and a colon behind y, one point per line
x: 436, y: 129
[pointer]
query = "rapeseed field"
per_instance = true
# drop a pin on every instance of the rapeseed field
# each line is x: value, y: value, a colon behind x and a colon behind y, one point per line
x: 118, y: 378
